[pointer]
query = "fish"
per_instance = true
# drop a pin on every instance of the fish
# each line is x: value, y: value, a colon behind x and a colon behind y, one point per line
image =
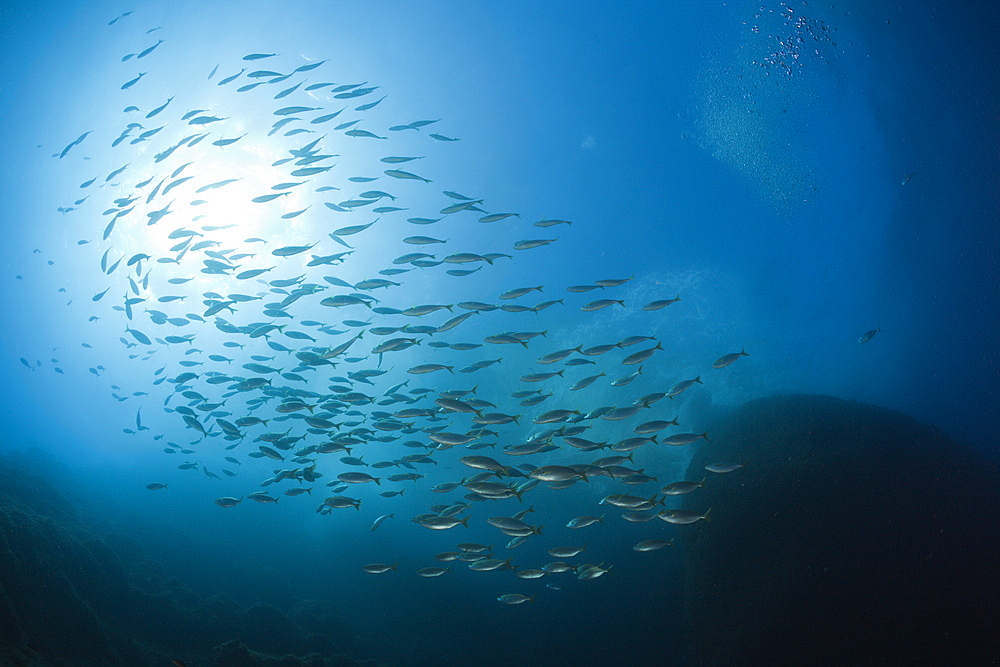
x: 682, y: 386
x: 654, y: 426
x: 288, y: 251
x: 541, y: 377
x: 452, y: 439
x: 496, y: 217
x: 682, y: 488
x: 643, y: 355
x: 584, y: 521
x: 554, y: 473
x: 404, y: 175
x: 310, y: 66
x: 112, y: 22
x: 519, y: 292
x: 558, y: 356
x: 421, y: 240
x: 485, y: 463
x: 444, y: 522
x: 868, y: 335
x: 680, y: 439
x: 358, y: 478
x: 352, y: 229
x: 532, y: 243
x: 683, y: 517
x: 75, y: 142
x: 342, y: 502
x: 115, y: 173
x: 728, y: 359
x: 429, y: 368
x: 227, y: 142
x: 657, y: 305
x: 287, y: 111
x: 379, y: 568
x: 489, y: 565
x: 378, y: 521
x: 363, y: 133
x: 132, y: 82
x: 587, y: 381
x: 653, y: 545
x: 419, y: 311
x: 415, y: 125
x: 397, y: 159
x: 139, y: 336
x: 145, y: 52
x: 723, y: 468
x: 612, y: 282
x: 600, y: 303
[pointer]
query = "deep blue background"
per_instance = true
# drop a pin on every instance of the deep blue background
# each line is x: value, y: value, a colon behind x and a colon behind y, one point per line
x: 771, y: 198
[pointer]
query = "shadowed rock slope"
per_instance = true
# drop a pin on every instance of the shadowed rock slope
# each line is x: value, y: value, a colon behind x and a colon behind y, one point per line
x: 855, y: 535
x: 73, y: 595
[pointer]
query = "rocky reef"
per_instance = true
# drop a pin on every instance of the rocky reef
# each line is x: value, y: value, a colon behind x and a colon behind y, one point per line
x: 855, y: 535
x: 73, y: 594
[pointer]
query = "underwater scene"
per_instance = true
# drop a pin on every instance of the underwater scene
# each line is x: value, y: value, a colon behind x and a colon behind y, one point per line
x: 455, y: 333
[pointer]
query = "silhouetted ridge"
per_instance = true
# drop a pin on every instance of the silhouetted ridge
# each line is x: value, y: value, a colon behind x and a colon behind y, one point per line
x: 855, y: 535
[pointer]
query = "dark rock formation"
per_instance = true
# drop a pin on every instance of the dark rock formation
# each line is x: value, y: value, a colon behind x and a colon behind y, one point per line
x: 73, y: 595
x: 235, y: 654
x: 855, y: 535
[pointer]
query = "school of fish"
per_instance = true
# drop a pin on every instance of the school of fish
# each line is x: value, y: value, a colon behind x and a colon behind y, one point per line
x: 288, y: 364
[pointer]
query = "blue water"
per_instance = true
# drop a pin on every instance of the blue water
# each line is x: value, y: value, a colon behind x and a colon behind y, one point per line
x: 798, y: 173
